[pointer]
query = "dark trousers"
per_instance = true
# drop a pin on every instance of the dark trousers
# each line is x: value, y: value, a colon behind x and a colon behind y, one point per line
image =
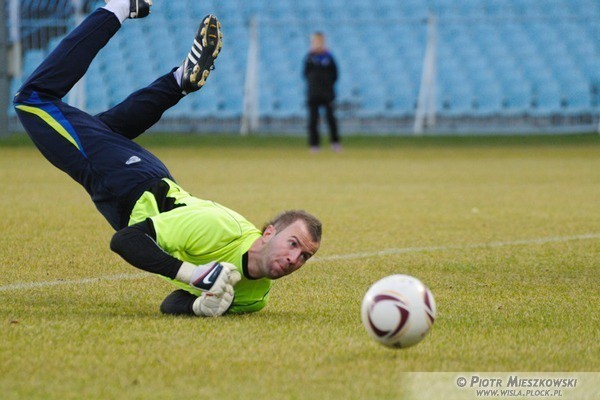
x: 314, y: 106
x: 96, y: 151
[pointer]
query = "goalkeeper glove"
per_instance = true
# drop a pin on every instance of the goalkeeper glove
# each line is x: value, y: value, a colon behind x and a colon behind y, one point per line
x: 210, y: 305
x: 214, y: 277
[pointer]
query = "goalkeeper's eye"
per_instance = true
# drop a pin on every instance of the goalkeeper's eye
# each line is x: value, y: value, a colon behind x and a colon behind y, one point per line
x: 294, y: 243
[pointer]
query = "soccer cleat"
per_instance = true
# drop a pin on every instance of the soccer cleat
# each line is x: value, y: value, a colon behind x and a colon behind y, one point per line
x: 139, y: 8
x: 200, y: 60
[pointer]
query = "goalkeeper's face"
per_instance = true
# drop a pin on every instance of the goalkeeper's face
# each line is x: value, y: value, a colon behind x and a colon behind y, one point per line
x: 285, y: 251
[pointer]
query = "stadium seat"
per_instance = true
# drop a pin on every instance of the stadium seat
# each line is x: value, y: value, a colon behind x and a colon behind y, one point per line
x: 31, y: 60
x: 546, y: 99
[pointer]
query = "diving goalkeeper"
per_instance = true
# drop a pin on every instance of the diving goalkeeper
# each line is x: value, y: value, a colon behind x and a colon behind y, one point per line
x: 219, y: 261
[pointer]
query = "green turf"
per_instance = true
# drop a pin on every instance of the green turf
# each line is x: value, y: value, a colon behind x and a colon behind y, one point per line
x: 494, y: 226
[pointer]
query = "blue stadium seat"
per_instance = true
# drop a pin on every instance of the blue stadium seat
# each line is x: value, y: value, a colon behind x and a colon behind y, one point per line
x: 576, y: 97
x: 183, y: 109
x: 15, y: 84
x: 546, y: 99
x: 31, y: 60
x: 457, y: 102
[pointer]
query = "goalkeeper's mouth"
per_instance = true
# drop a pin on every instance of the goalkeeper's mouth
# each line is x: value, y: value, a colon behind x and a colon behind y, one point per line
x: 278, y: 270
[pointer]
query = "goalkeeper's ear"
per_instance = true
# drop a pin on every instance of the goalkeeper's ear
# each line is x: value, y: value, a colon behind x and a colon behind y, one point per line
x: 268, y: 233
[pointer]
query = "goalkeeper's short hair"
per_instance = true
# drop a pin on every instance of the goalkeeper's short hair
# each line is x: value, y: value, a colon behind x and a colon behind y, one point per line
x: 287, y: 218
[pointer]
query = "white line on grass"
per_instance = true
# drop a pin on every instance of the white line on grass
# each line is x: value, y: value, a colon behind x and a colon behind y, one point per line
x: 386, y: 252
x: 35, y: 285
x: 350, y: 256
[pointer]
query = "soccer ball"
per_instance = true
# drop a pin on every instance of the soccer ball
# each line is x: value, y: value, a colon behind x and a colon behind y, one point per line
x: 398, y: 311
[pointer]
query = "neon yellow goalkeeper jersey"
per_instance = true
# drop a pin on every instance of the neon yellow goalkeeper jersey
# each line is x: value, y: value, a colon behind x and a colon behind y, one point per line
x: 200, y: 231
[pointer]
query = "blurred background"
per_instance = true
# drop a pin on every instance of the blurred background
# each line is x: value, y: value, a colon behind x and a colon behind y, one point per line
x: 407, y: 67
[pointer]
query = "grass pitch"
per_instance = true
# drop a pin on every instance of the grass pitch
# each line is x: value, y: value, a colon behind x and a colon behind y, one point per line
x: 504, y: 231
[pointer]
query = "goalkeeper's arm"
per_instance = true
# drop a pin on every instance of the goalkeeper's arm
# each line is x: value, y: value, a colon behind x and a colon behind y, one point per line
x: 137, y: 245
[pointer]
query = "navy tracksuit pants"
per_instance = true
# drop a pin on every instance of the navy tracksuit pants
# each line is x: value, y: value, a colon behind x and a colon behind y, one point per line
x: 97, y: 151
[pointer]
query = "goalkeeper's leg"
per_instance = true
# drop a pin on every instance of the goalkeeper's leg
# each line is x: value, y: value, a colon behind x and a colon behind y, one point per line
x: 69, y: 61
x: 143, y: 108
x: 108, y: 166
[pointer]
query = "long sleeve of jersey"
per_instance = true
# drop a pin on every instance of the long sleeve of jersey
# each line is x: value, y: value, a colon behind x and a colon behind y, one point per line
x: 137, y: 245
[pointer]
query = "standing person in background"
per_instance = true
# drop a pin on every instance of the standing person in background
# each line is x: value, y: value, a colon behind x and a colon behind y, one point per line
x: 321, y: 73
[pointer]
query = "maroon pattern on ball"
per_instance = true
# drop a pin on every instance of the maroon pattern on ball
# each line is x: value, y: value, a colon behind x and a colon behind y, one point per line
x: 428, y: 309
x: 400, y: 305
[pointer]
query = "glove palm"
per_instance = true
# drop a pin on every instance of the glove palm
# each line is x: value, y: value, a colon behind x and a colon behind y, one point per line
x: 210, y: 305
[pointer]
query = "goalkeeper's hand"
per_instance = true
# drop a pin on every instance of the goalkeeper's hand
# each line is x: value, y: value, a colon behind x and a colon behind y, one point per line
x: 214, y: 277
x: 210, y: 305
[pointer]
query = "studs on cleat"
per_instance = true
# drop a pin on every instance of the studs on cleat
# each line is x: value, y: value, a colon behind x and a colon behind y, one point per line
x: 139, y: 8
x: 200, y: 60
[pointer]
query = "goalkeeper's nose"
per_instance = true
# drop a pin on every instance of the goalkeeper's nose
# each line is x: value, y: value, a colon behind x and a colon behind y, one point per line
x: 295, y: 258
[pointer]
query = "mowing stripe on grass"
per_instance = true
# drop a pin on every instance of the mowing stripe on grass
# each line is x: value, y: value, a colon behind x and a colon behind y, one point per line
x: 351, y: 256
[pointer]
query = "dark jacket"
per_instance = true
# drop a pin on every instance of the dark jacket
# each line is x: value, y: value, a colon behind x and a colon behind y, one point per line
x: 320, y: 71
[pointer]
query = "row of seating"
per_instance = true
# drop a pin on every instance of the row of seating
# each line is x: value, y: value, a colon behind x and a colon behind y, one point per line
x: 493, y: 57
